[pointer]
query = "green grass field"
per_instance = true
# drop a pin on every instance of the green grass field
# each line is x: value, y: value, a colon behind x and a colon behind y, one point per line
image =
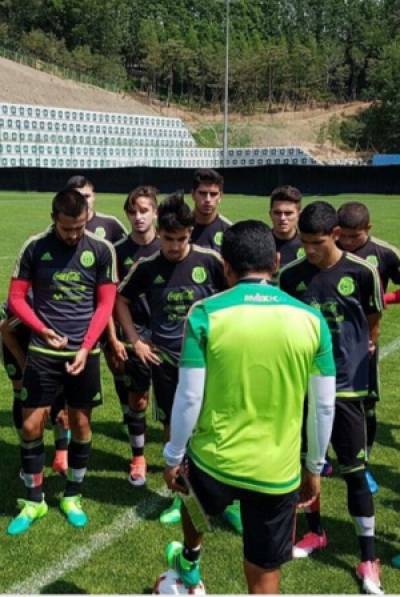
x: 121, y: 550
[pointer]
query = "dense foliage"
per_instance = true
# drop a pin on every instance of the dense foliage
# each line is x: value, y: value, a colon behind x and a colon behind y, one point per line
x: 283, y: 53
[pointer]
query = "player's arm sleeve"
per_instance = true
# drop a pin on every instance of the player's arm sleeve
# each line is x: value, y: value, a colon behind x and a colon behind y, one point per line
x: 18, y: 304
x: 392, y: 298
x: 106, y: 294
x: 190, y: 391
x: 394, y: 265
x: 321, y: 402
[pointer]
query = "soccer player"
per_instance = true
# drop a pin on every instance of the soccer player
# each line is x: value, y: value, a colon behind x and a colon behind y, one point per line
x: 249, y: 354
x: 172, y: 280
x: 207, y: 193
x: 102, y: 225
x: 347, y: 291
x: 285, y: 208
x: 72, y: 274
x: 354, y: 222
x: 141, y: 210
x: 15, y: 337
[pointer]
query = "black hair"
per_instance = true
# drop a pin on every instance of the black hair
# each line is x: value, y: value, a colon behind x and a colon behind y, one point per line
x: 249, y: 246
x: 143, y: 191
x: 286, y: 193
x: 353, y: 215
x: 319, y: 217
x: 174, y: 214
x: 70, y: 203
x: 207, y: 176
x: 78, y: 182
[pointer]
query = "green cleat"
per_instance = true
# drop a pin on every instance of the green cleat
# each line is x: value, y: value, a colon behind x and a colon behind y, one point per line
x: 30, y: 511
x: 172, y: 515
x: 233, y: 518
x: 188, y: 572
x: 71, y: 507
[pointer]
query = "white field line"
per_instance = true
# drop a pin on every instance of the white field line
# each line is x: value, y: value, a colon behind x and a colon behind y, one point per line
x: 5, y: 257
x: 77, y: 556
x: 389, y: 349
x: 122, y: 524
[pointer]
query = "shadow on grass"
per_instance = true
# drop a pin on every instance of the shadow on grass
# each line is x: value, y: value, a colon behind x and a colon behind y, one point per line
x: 385, y: 434
x: 61, y: 587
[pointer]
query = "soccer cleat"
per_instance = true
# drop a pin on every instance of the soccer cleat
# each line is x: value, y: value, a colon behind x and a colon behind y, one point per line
x: 233, y: 518
x: 72, y: 508
x: 188, y: 572
x: 172, y: 515
x: 396, y: 561
x: 137, y: 476
x: 327, y: 469
x: 309, y: 544
x: 30, y: 512
x: 372, y: 484
x: 60, y: 462
x: 368, y: 573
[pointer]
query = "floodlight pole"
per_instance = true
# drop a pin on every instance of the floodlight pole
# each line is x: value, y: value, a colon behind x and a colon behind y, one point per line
x: 226, y: 99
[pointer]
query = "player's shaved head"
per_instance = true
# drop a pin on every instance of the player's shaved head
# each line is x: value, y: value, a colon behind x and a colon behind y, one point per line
x: 353, y: 215
x: 249, y: 247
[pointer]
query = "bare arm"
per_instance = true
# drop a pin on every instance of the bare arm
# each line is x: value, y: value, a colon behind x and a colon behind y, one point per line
x: 142, y: 349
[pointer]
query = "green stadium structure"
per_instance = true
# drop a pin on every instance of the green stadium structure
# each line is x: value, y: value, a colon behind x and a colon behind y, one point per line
x: 45, y: 137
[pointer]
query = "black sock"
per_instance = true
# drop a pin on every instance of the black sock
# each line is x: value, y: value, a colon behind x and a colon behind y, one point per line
x: 367, y: 546
x: 137, y: 430
x: 32, y: 459
x: 314, y: 522
x: 192, y: 555
x: 78, y: 458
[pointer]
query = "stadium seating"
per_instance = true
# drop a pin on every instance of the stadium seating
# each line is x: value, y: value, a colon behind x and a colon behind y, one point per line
x: 45, y: 137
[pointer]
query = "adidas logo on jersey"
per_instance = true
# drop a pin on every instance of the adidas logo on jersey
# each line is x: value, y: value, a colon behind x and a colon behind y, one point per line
x: 159, y: 280
x: 128, y: 262
x: 301, y: 287
x: 46, y: 257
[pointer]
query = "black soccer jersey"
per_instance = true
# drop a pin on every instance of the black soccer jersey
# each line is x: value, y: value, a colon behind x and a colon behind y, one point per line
x: 345, y: 294
x: 128, y: 253
x: 385, y: 257
x: 107, y: 227
x: 171, y: 289
x: 64, y: 281
x: 211, y: 235
x: 289, y: 250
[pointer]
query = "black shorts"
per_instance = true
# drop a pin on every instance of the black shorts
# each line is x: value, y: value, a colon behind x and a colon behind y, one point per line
x: 349, y: 438
x: 45, y: 378
x: 137, y: 375
x: 165, y: 380
x: 13, y: 370
x: 268, y: 520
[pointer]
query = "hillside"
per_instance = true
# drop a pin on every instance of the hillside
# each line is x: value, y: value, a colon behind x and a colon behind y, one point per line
x: 22, y: 84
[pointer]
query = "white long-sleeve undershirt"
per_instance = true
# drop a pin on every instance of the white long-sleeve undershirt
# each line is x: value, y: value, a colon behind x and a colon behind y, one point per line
x: 321, y: 411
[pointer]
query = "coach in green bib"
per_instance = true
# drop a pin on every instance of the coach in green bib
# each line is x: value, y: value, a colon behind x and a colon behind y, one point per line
x: 249, y: 357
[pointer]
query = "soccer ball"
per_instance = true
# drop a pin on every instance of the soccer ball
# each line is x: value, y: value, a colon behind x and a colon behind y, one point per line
x: 169, y: 583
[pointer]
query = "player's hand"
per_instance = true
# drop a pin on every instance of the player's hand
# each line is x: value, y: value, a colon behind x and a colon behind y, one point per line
x: 79, y: 362
x: 54, y: 340
x: 118, y: 352
x: 173, y: 479
x: 371, y: 348
x: 62, y: 419
x: 309, y: 490
x: 146, y: 353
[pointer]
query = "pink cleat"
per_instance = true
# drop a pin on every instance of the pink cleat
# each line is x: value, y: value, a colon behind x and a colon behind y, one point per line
x: 369, y: 575
x: 309, y: 544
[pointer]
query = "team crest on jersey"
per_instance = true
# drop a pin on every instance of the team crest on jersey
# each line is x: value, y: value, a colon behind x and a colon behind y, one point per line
x: 87, y: 259
x: 100, y: 232
x: 346, y: 286
x: 11, y: 369
x: 300, y: 253
x: 373, y: 260
x: 23, y: 395
x: 218, y: 236
x: 199, y: 275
